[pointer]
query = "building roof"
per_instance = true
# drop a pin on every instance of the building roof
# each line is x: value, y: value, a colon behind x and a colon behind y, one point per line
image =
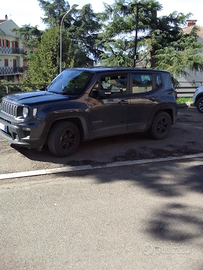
x: 6, y: 27
x: 187, y: 30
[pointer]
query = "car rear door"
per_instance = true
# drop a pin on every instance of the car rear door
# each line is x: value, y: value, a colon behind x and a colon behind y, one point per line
x: 144, y: 87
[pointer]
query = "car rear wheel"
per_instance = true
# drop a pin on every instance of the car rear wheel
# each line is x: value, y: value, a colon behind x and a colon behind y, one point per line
x: 200, y: 104
x: 64, y: 139
x: 161, y: 126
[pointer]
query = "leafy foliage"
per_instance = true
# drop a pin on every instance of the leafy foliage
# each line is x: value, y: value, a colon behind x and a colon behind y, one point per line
x: 84, y: 31
x: 109, y: 37
x: 31, y: 37
x: 44, y: 67
x: 161, y: 41
x: 82, y: 26
x: 117, y: 53
x: 53, y: 11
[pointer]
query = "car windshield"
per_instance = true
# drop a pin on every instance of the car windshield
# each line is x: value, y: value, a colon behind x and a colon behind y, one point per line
x: 70, y: 82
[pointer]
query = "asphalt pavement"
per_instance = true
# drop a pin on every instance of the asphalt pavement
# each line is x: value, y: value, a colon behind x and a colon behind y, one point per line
x: 144, y: 215
x: 139, y: 217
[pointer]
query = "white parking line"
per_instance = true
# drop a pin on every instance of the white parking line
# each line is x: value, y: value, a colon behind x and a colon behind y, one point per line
x: 89, y: 167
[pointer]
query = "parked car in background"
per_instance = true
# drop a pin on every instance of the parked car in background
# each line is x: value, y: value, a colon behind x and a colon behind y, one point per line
x: 87, y: 103
x: 198, y: 99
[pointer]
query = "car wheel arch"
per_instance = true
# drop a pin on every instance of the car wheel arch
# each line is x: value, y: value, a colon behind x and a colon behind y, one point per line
x: 200, y: 95
x: 199, y: 100
x: 167, y: 110
x: 80, y: 122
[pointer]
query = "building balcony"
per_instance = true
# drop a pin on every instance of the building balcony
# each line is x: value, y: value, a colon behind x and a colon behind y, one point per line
x: 9, y: 50
x: 11, y: 70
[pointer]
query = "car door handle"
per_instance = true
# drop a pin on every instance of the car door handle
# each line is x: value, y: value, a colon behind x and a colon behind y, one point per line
x: 153, y: 99
x: 122, y: 101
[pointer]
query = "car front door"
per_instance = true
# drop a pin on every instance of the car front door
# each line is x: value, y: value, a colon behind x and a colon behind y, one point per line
x: 108, y: 106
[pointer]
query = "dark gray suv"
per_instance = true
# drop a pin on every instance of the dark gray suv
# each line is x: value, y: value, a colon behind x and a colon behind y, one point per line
x: 86, y: 103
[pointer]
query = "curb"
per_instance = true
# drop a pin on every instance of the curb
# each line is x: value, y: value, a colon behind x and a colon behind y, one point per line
x: 90, y: 167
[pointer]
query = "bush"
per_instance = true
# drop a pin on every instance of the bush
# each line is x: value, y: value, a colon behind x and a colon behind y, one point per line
x: 10, y: 87
x: 184, y: 100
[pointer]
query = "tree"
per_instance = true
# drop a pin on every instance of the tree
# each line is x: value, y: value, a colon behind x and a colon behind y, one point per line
x: 31, y: 37
x: 117, y: 53
x: 160, y: 38
x: 181, y: 54
x: 83, y: 27
x: 53, y: 11
x: 45, y: 65
x: 85, y: 31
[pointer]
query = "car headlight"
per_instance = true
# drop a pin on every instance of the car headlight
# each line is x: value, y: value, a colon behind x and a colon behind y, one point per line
x: 25, y: 112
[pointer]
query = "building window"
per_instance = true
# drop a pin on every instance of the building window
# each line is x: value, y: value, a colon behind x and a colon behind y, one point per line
x: 14, y: 63
x: 6, y: 62
x: 14, y: 44
x: 6, y: 43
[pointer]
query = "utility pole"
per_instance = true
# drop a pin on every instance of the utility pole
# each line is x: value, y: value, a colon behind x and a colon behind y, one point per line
x: 137, y: 5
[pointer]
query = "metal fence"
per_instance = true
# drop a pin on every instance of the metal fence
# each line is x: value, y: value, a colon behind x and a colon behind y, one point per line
x: 187, y: 89
x: 9, y: 50
x: 10, y: 70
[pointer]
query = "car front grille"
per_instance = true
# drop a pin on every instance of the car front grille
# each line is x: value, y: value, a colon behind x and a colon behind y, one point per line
x: 9, y: 108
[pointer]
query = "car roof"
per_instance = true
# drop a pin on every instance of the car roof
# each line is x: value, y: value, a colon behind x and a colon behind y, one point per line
x: 105, y: 68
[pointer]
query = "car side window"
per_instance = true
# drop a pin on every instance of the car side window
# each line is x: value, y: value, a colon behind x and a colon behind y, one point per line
x: 141, y: 83
x: 158, y: 81
x: 117, y: 84
x: 114, y: 85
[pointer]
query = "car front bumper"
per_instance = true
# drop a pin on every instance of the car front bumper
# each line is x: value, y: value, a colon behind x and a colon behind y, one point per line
x: 27, y: 134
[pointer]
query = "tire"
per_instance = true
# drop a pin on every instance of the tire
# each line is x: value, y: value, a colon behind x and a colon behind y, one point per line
x: 161, y: 126
x: 200, y: 104
x: 64, y: 139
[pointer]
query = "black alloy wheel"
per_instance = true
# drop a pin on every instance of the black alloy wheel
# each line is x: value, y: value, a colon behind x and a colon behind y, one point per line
x: 64, y: 139
x: 161, y: 126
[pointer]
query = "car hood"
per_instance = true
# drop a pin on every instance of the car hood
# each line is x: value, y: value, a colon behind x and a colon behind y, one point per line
x: 35, y: 97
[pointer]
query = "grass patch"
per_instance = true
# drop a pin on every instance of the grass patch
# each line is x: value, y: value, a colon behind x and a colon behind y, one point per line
x: 184, y: 100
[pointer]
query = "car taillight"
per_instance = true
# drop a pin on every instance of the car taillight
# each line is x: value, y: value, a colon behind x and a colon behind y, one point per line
x: 175, y: 95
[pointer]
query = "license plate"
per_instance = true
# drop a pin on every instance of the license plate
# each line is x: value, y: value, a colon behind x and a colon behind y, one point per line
x: 2, y: 127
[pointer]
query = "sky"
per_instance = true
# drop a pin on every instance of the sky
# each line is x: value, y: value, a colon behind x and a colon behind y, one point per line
x: 28, y: 11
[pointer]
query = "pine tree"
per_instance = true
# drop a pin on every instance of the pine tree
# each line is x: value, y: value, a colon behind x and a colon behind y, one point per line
x: 54, y: 11
x: 161, y: 41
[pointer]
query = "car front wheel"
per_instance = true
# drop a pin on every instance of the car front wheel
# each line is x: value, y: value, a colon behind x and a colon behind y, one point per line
x: 161, y: 126
x: 200, y: 104
x: 63, y: 139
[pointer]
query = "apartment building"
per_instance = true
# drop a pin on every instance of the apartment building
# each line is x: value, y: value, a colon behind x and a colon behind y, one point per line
x: 11, y: 52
